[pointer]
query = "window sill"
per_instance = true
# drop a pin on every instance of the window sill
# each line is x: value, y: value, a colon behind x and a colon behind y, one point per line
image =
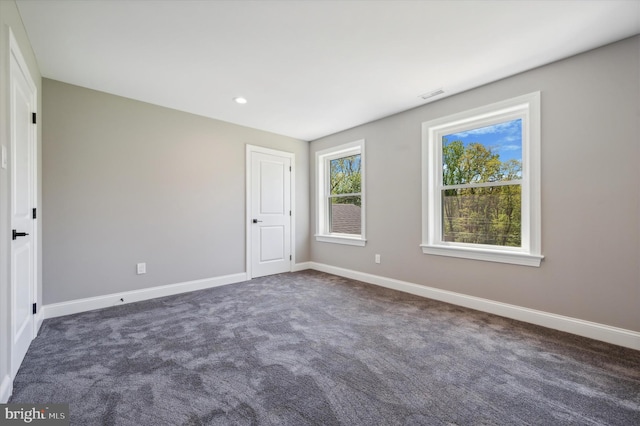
x: 342, y: 239
x: 501, y: 256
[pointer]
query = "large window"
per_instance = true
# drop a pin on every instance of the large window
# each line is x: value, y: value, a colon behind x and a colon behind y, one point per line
x: 340, y: 180
x: 481, y: 183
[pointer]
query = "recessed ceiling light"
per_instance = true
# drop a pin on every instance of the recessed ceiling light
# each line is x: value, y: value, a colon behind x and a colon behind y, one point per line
x: 240, y: 100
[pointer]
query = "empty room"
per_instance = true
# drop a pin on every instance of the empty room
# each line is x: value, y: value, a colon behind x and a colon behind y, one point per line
x: 318, y: 212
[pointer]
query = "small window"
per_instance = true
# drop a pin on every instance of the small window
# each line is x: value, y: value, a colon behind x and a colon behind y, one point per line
x: 481, y: 183
x: 340, y: 180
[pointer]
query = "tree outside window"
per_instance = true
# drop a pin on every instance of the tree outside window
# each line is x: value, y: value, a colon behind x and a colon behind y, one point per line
x: 481, y: 183
x: 481, y: 195
x: 341, y: 194
x: 345, y: 198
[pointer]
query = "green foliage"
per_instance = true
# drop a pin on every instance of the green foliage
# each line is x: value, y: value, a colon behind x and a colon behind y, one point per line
x: 346, y: 179
x: 485, y: 214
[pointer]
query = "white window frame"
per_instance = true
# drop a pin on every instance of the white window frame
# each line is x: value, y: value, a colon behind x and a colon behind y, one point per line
x: 526, y: 107
x: 323, y: 160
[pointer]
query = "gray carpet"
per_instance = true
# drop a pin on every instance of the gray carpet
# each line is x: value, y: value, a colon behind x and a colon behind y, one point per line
x: 314, y: 349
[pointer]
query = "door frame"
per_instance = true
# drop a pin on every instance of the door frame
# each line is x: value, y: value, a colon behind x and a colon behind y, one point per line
x: 250, y: 149
x: 16, y: 54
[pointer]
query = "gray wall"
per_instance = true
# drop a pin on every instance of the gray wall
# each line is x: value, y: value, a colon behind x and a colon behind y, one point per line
x: 10, y: 18
x: 590, y: 195
x: 128, y: 182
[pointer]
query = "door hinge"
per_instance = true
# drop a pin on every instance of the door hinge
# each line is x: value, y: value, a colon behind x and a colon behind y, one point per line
x: 35, y: 308
x: 289, y: 212
x: 290, y: 257
x: 33, y: 117
x: 33, y: 213
x: 289, y: 168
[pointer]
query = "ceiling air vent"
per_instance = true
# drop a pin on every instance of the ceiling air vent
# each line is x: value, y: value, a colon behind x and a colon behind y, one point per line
x: 431, y: 94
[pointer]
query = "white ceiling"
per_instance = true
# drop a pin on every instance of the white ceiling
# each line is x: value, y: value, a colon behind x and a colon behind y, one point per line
x: 308, y: 68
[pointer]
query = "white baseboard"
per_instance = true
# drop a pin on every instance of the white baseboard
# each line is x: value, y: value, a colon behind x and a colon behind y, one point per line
x: 602, y: 332
x: 301, y: 266
x: 39, y: 317
x: 605, y: 333
x: 6, y: 387
x: 99, y: 302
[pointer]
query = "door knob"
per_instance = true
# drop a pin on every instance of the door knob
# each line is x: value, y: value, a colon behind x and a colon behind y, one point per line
x: 256, y: 221
x: 17, y: 234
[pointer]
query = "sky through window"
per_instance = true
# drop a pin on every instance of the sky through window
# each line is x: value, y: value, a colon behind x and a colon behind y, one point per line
x: 504, y: 139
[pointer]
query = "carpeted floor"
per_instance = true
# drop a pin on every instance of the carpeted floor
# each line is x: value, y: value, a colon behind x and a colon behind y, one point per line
x: 310, y: 348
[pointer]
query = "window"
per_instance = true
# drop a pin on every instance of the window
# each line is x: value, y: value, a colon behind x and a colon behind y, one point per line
x: 341, y: 202
x: 481, y: 183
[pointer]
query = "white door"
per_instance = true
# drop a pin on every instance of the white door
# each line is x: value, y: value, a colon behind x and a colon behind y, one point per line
x: 269, y: 212
x: 23, y: 144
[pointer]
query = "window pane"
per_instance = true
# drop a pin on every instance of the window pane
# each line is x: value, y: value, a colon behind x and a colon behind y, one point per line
x: 345, y: 216
x: 488, y: 215
x: 345, y: 175
x: 485, y: 154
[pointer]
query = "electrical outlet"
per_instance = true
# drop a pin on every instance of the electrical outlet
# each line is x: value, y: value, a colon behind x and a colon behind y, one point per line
x: 141, y: 268
x: 377, y: 258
